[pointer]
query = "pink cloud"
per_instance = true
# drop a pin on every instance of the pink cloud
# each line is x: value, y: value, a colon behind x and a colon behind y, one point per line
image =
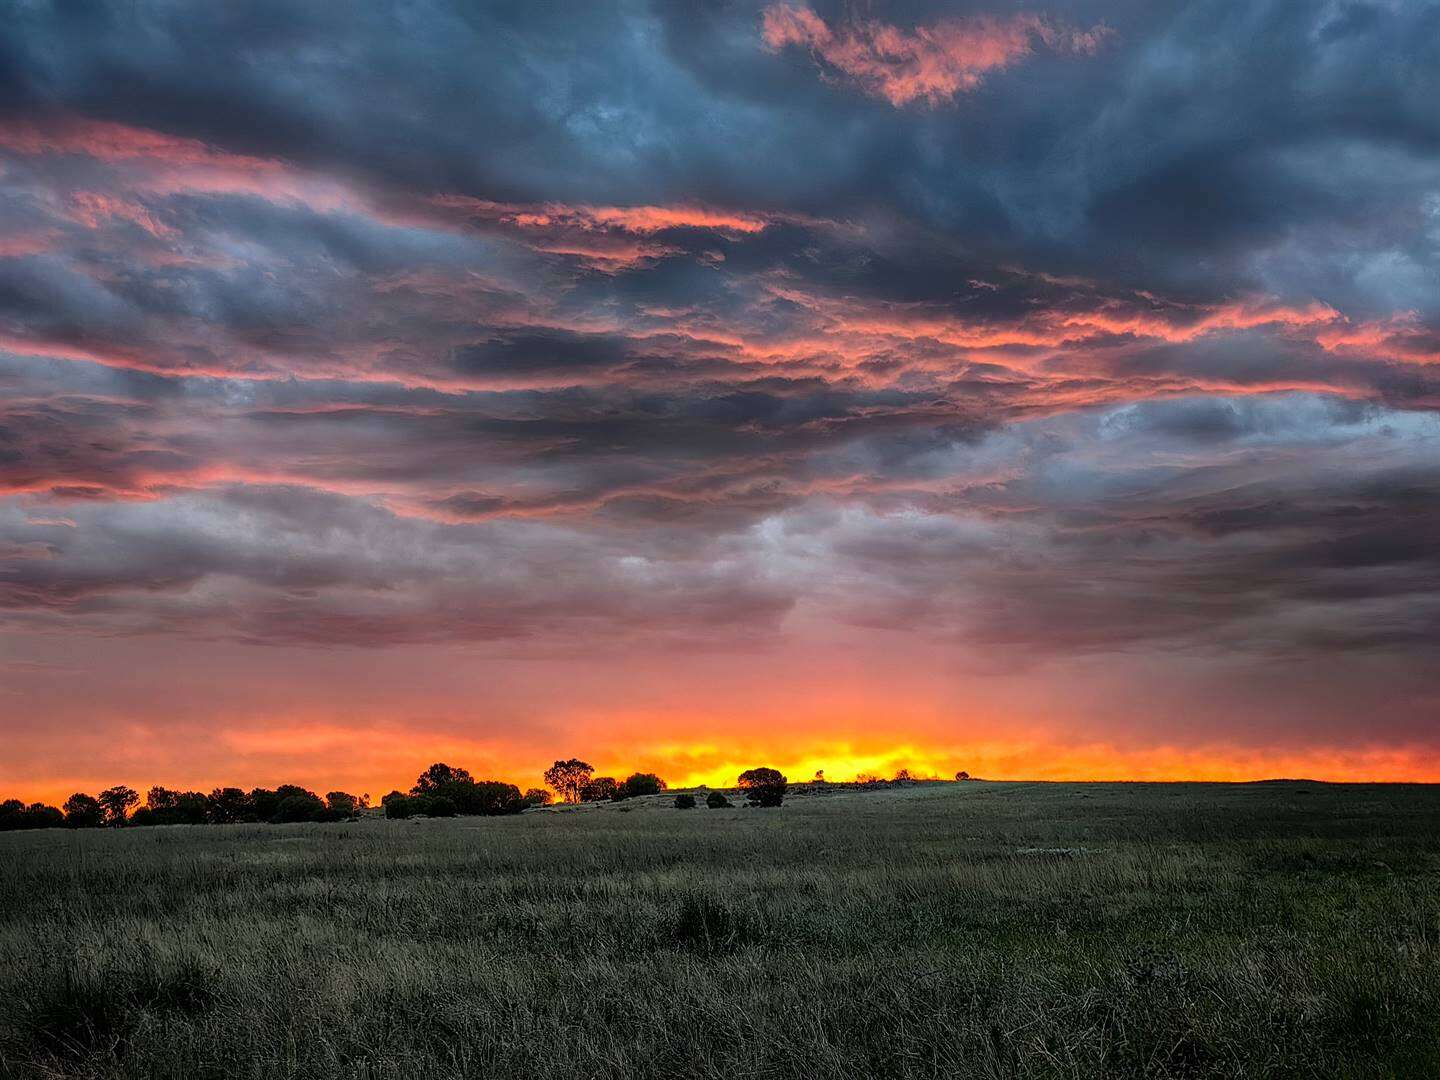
x: 90, y: 208
x: 931, y: 64
x: 113, y: 143
x: 639, y: 220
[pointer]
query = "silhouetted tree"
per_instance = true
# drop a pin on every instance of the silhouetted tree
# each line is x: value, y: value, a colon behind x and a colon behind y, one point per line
x: 465, y: 794
x: 569, y: 778
x: 225, y: 806
x: 538, y: 796
x: 342, y: 804
x: 166, y: 807
x: 117, y: 802
x: 438, y: 777
x: 904, y: 776
x: 398, y: 805
x: 84, y: 811
x: 600, y: 789
x: 716, y: 800
x: 297, y: 804
x: 962, y: 775
x: 640, y: 783
x: 191, y: 808
x: 763, y: 787
x: 493, y: 797
x: 14, y: 814
x: 684, y: 802
x: 440, y: 806
x: 263, y: 804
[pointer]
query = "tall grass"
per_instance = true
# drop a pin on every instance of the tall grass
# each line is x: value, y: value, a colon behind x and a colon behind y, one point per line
x: 986, y: 930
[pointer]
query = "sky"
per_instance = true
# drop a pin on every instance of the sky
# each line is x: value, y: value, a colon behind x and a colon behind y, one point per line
x: 1044, y: 391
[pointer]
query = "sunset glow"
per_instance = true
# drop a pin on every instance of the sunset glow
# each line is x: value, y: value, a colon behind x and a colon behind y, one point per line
x: 692, y: 388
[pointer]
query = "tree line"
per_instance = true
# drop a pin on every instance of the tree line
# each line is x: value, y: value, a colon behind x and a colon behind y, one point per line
x: 440, y: 791
x: 120, y: 805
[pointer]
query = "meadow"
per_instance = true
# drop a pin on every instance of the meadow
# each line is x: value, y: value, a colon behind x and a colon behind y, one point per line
x: 962, y: 930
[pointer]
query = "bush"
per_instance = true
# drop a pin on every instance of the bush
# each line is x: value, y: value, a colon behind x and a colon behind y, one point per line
x: 440, y: 806
x: 763, y: 787
x: 707, y: 925
x: 716, y: 800
x: 640, y: 783
x: 538, y: 796
x: 684, y: 802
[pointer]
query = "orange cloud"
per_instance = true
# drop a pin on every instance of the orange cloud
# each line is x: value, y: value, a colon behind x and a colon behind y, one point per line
x: 931, y: 64
x: 640, y: 220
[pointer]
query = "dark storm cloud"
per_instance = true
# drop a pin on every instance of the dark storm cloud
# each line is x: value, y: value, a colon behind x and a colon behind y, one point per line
x: 481, y: 322
x: 1200, y: 107
x: 1117, y: 534
x: 293, y: 565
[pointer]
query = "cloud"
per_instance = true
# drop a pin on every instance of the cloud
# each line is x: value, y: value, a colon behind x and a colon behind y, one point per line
x: 930, y: 64
x: 612, y: 333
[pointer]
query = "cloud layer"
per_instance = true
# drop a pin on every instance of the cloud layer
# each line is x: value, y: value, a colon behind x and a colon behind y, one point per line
x: 656, y: 337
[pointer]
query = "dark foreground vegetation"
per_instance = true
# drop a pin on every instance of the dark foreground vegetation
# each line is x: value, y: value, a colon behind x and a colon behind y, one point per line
x: 440, y: 791
x: 980, y: 929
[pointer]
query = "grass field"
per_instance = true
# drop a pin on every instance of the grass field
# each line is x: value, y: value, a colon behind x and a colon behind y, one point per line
x: 980, y: 929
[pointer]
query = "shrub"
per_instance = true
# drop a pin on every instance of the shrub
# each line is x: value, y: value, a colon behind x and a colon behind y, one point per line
x: 763, y: 787
x: 716, y: 800
x: 640, y: 783
x: 707, y: 925
x: 684, y: 802
x: 538, y: 796
x: 440, y: 806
